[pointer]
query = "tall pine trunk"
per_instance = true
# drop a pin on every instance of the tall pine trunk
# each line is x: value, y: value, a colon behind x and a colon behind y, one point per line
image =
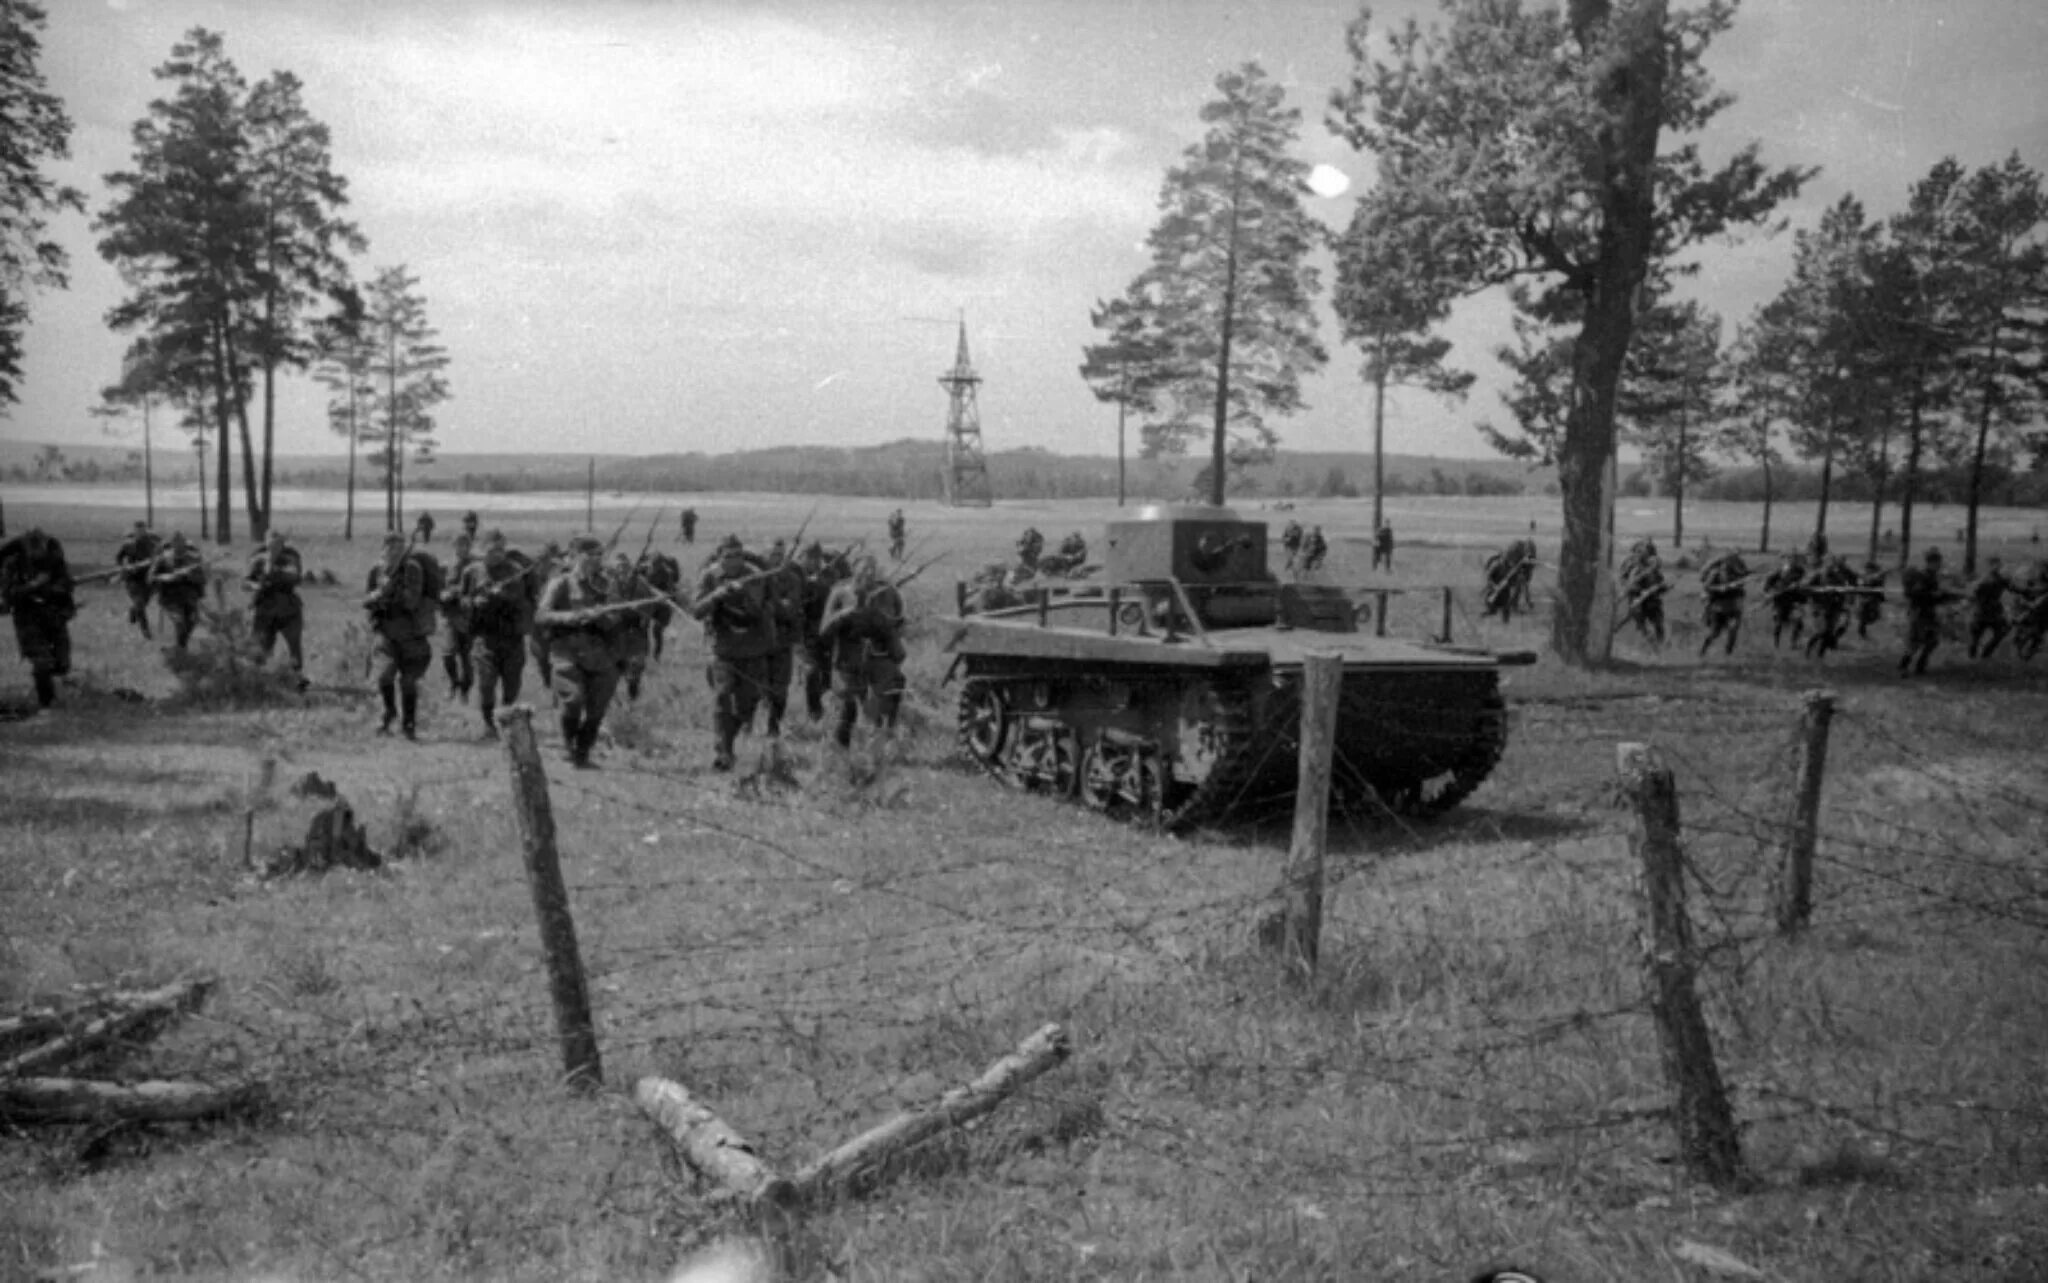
x: 1909, y: 478
x: 1976, y: 491
x: 1765, y: 546
x: 224, y: 433
x: 1634, y: 93
x: 348, y: 521
x: 1379, y: 440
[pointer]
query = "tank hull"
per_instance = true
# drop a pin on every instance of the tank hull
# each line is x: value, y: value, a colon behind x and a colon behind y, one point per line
x: 1198, y: 736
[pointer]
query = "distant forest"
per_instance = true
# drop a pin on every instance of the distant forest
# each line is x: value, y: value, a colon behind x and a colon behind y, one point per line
x: 911, y: 471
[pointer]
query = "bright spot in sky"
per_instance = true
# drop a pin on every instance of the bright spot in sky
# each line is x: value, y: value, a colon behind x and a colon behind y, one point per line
x: 1328, y: 180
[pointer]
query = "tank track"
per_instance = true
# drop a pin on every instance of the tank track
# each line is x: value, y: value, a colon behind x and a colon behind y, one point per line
x: 986, y: 731
x: 1252, y: 759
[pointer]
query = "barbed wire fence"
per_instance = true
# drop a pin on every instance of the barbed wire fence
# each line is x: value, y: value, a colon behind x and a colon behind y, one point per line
x: 809, y: 960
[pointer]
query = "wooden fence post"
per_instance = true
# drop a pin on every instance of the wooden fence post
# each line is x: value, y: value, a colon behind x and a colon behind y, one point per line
x: 1301, y: 915
x: 1795, y: 864
x: 1446, y: 638
x: 1707, y: 1140
x: 1379, y: 621
x: 573, y: 1022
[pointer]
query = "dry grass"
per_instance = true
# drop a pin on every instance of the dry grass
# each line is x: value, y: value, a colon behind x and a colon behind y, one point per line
x: 1472, y: 1079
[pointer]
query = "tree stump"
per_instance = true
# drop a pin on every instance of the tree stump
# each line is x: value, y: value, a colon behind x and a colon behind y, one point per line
x: 334, y: 839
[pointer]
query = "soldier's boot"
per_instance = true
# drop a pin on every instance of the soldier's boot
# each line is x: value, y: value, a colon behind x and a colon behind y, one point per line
x: 842, y: 732
x: 571, y: 726
x: 775, y: 711
x: 724, y: 728
x: 586, y: 740
x: 410, y: 703
x: 389, y: 694
x: 632, y: 686
x: 46, y: 688
x: 490, y: 731
x: 454, y: 673
x: 814, y: 696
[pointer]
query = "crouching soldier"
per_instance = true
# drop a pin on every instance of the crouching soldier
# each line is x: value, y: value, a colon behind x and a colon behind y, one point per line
x: 136, y: 556
x: 582, y: 644
x: 498, y: 601
x: 401, y: 622
x: 35, y: 588
x: 863, y: 623
x: 180, y: 578
x: 276, y: 610
x: 733, y: 603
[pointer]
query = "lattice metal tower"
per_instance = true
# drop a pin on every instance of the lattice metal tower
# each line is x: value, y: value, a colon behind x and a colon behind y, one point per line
x: 967, y: 484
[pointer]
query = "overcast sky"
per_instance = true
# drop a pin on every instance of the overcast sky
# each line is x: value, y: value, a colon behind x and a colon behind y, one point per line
x: 660, y: 226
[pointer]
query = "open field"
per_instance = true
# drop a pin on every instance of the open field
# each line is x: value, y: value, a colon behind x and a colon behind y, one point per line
x: 1473, y: 1078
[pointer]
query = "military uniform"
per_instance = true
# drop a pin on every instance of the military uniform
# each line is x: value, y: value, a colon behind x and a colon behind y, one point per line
x: 136, y: 556
x: 1870, y: 602
x: 864, y: 625
x: 1722, y: 582
x: 630, y: 637
x: 820, y: 573
x: 1828, y: 600
x: 401, y: 624
x: 36, y: 590
x: 276, y: 611
x: 1313, y: 549
x: 1030, y: 545
x: 2030, y: 623
x: 180, y: 577
x: 583, y: 648
x: 1988, y: 624
x: 739, y: 622
x: 1383, y: 547
x: 1642, y: 589
x: 689, y: 525
x: 1924, y: 596
x: 458, y: 628
x: 896, y: 535
x: 500, y: 606
x: 1290, y: 540
x: 786, y: 604
x: 1785, y: 589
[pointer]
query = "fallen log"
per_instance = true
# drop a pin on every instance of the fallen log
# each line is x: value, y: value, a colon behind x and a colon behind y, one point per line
x: 711, y: 1148
x: 80, y: 1100
x: 872, y: 1149
x: 139, y: 1016
x: 29, y: 1027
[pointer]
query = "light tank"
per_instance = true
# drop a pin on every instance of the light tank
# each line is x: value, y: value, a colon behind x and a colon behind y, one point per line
x: 1170, y: 688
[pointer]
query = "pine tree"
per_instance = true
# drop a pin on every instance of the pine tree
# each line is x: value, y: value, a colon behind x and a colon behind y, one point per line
x: 1126, y: 368
x: 1532, y: 137
x: 1228, y: 295
x: 1392, y: 289
x: 37, y: 131
x: 406, y: 370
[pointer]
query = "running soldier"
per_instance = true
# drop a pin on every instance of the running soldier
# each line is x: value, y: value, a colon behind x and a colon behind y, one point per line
x: 401, y: 625
x: 1498, y: 595
x: 630, y: 625
x: 1870, y: 601
x: 135, y: 557
x: 1924, y: 596
x: 458, y: 627
x: 424, y: 527
x: 1785, y: 590
x: 1642, y: 591
x: 469, y: 525
x: 863, y: 624
x: 582, y: 643
x: 896, y: 535
x: 1383, y: 547
x: 733, y: 603
x: 499, y: 603
x: 1827, y: 594
x: 1723, y: 582
x: 1988, y: 624
x: 180, y: 578
x: 36, y: 588
x: 785, y: 585
x: 275, y: 610
x: 1313, y: 549
x: 1290, y: 542
x: 689, y: 522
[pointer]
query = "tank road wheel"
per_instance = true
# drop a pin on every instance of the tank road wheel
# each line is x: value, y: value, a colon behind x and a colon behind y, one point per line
x: 1044, y: 758
x: 983, y: 724
x: 1121, y: 777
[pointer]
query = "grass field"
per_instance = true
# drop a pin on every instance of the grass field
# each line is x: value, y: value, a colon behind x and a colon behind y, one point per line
x: 1473, y: 1078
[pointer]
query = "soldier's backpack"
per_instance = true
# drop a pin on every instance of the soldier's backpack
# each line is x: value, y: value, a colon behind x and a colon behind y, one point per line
x: 433, y: 582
